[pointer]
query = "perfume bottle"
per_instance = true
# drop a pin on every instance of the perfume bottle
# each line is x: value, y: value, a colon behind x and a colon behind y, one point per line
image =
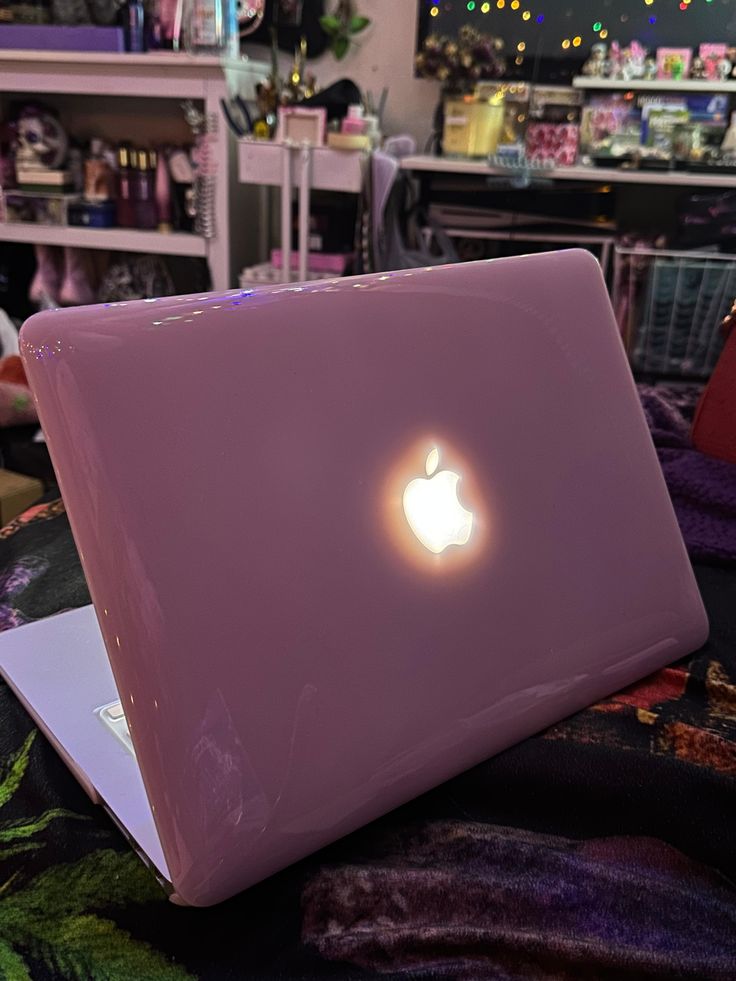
x: 99, y: 177
x: 127, y: 160
x: 163, y: 193
x: 143, y: 190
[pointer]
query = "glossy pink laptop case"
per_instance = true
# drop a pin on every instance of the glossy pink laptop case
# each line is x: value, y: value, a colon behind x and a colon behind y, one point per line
x: 347, y: 539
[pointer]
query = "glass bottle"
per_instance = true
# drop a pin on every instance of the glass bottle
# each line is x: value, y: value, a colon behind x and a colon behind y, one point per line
x: 127, y: 160
x: 209, y: 27
x: 143, y: 182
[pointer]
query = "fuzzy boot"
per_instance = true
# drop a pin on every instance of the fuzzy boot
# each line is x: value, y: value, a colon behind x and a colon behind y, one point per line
x: 79, y: 285
x: 46, y: 284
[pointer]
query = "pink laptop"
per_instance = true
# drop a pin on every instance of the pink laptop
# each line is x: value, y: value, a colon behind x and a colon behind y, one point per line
x: 344, y: 541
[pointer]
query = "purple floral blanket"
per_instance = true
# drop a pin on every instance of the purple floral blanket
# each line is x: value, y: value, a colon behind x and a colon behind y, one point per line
x: 703, y: 489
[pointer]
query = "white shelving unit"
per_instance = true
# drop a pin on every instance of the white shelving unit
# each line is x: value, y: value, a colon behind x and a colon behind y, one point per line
x: 167, y: 76
x: 595, y: 175
x: 115, y: 239
x: 657, y: 85
x: 306, y: 168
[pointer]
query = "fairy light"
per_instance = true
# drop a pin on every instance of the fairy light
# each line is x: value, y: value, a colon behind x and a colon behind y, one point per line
x: 526, y: 15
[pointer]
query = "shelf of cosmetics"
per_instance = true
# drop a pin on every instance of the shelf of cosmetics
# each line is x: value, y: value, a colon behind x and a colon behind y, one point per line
x: 560, y: 125
x: 123, y: 188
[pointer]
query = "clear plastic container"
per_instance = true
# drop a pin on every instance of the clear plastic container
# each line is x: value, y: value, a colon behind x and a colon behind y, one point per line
x: 210, y: 27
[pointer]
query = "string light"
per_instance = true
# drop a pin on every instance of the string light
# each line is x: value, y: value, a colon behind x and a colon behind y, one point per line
x: 485, y: 7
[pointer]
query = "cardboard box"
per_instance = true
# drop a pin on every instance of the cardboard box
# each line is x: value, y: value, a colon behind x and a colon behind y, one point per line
x: 16, y: 494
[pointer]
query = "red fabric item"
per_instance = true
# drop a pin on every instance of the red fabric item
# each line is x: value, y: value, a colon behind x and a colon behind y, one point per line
x: 12, y: 370
x: 714, y: 431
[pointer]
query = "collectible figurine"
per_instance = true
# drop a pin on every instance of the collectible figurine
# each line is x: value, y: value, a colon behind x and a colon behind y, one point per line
x: 650, y: 69
x: 698, y: 71
x: 41, y: 140
x: 633, y: 61
x: 595, y: 66
x: 725, y: 67
x: 616, y: 59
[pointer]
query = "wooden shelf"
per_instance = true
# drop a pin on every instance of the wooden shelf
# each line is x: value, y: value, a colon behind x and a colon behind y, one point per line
x: 116, y: 239
x: 658, y: 85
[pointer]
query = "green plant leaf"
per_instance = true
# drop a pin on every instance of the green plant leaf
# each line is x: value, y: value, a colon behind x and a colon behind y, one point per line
x: 28, y: 846
x: 358, y: 24
x: 24, y: 829
x: 104, y: 879
x: 82, y: 947
x: 12, y: 965
x: 16, y: 766
x: 340, y: 46
x: 330, y: 24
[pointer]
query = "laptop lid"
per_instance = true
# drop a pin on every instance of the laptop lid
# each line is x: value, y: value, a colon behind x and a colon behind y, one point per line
x: 347, y: 539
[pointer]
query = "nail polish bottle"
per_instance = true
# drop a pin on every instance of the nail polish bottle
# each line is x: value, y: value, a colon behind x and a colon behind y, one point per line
x: 163, y: 193
x: 143, y: 184
x: 126, y: 205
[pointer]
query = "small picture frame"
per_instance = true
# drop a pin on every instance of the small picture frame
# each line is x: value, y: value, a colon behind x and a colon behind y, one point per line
x: 674, y: 63
x: 301, y: 124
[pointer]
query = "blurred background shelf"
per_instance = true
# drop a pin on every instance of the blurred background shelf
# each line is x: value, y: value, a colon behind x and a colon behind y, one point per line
x: 656, y: 85
x: 116, y: 239
x: 148, y: 90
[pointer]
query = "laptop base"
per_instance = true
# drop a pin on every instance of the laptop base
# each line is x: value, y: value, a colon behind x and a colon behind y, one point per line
x: 59, y: 670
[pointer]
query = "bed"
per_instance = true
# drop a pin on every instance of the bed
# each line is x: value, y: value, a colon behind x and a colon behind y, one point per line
x: 601, y: 848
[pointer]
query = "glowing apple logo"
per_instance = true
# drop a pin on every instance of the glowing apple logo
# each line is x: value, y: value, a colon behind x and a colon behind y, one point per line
x: 433, y: 510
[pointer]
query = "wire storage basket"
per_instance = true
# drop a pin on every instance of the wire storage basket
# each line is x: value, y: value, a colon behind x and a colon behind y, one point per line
x: 670, y: 307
